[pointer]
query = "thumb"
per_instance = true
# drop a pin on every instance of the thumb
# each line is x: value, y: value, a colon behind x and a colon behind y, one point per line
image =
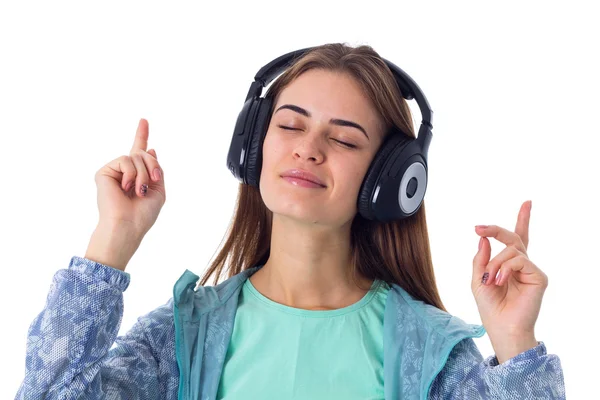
x: 481, y: 260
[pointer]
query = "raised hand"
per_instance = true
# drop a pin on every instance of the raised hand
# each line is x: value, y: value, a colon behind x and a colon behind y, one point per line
x: 509, y: 305
x: 131, y: 193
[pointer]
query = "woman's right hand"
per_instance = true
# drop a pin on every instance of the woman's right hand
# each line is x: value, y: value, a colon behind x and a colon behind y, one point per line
x: 123, y: 207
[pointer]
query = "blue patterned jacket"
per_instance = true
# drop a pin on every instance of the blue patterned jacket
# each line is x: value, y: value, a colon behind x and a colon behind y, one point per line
x: 73, y: 351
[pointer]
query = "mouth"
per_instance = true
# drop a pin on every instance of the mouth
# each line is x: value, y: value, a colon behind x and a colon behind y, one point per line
x: 298, y: 176
x: 302, y: 182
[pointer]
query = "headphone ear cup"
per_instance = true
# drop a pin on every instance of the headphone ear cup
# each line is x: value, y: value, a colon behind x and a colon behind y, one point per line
x: 395, y: 143
x: 235, y: 162
x: 258, y: 132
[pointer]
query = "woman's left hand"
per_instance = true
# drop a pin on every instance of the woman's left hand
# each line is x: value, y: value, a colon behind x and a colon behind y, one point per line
x: 509, y: 305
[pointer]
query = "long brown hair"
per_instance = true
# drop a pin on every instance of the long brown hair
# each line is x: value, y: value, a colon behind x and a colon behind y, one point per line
x: 395, y: 252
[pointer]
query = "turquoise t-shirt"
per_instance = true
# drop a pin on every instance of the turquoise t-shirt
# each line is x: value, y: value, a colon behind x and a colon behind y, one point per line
x: 281, y: 352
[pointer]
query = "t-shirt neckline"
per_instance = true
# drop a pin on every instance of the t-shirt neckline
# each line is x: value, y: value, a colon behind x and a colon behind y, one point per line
x: 249, y: 287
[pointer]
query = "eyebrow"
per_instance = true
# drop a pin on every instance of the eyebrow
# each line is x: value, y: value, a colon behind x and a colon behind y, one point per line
x: 334, y: 121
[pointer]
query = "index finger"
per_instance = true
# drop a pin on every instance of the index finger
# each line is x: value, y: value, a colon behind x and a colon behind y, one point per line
x: 141, y: 136
x: 502, y: 235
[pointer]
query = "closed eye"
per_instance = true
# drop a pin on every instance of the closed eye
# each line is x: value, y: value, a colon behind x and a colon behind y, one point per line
x: 288, y: 128
x: 351, y: 146
x: 345, y: 144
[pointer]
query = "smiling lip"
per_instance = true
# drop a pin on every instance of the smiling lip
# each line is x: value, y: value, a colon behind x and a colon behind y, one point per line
x: 298, y: 174
x: 303, y: 183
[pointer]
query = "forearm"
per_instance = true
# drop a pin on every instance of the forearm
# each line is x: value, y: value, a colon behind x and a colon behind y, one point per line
x: 74, y: 331
x: 528, y: 375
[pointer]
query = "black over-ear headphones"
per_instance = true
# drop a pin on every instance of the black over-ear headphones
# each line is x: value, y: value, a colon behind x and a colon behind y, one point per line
x: 395, y: 184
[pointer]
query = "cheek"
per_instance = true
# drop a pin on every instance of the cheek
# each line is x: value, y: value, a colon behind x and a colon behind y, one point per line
x: 271, y: 141
x: 271, y: 153
x: 270, y: 150
x: 348, y: 180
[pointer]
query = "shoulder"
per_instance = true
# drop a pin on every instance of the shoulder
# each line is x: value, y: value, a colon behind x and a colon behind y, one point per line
x: 159, y: 326
x: 188, y: 295
x: 430, y: 316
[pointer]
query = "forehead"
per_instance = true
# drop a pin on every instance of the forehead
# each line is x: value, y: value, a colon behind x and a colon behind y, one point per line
x: 330, y: 94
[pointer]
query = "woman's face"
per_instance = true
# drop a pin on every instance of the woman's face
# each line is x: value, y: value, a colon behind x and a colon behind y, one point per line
x: 301, y: 135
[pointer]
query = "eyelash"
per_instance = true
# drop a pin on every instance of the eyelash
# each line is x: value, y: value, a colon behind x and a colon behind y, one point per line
x: 351, y: 146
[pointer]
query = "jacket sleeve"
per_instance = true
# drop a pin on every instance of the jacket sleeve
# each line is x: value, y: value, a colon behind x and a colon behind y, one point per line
x: 533, y: 374
x: 68, y: 351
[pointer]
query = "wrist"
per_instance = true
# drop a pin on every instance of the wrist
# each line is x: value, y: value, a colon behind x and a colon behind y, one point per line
x: 112, y: 245
x: 508, y: 347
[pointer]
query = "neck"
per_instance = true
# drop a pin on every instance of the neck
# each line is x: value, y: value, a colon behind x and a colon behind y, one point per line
x: 309, y: 267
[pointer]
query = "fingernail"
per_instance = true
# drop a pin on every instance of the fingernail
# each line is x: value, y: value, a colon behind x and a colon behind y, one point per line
x: 144, y: 189
x: 498, y: 278
x: 485, y: 277
x: 128, y: 186
x: 156, y: 174
x: 481, y: 226
x: 480, y: 243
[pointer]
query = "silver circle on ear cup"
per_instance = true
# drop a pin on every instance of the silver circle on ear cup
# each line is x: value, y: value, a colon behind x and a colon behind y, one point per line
x: 242, y: 156
x: 409, y: 205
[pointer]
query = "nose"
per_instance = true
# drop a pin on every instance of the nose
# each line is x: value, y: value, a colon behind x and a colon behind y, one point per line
x: 309, y: 147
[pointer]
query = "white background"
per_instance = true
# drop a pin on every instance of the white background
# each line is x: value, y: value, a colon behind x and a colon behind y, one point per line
x: 513, y: 87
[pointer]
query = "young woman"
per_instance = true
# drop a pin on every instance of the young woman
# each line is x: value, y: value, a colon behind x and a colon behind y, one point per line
x: 330, y: 289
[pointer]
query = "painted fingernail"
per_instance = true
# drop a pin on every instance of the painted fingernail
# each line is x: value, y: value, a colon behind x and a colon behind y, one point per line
x: 485, y: 278
x: 144, y: 189
x: 498, y: 278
